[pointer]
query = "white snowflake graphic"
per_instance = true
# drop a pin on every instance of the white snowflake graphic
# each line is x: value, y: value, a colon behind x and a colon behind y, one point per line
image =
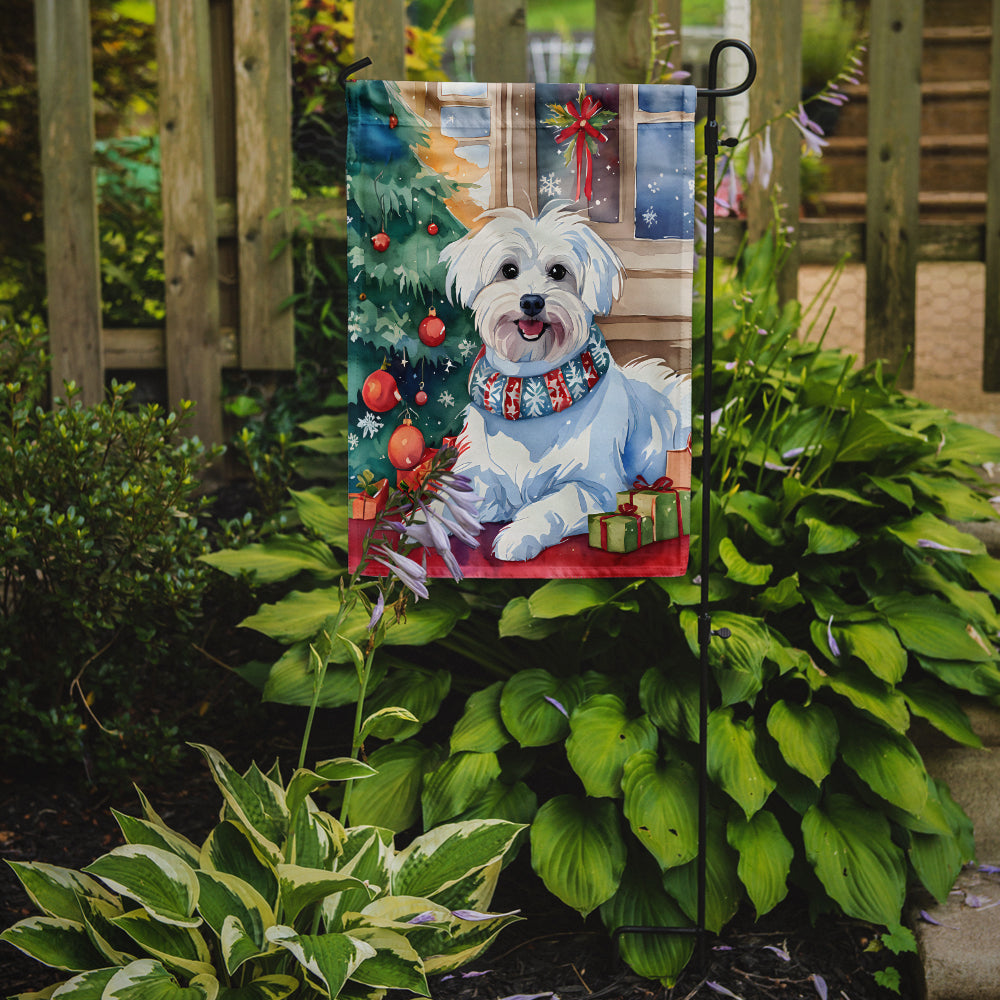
x: 649, y: 216
x: 465, y: 348
x: 446, y: 399
x: 370, y: 425
x: 448, y: 364
x: 653, y: 186
x: 549, y: 185
x: 575, y: 377
x: 534, y: 398
x: 352, y: 441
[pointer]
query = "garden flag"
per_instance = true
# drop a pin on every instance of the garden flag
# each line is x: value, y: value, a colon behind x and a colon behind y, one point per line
x: 520, y: 271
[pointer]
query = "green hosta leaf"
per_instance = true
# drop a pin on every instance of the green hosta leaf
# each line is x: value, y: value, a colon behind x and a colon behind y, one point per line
x: 517, y: 620
x: 937, y: 859
x: 147, y: 979
x: 386, y: 723
x: 225, y: 897
x: 456, y: 784
x: 395, y: 964
x: 876, y: 646
x: 141, y: 831
x: 441, y: 857
x: 928, y: 528
x: 888, y: 763
x: 807, y: 736
x: 828, y: 539
x: 417, y: 690
x: 330, y: 959
x: 530, y: 706
x: 516, y: 803
x: 975, y: 605
x: 304, y: 782
x: 602, y: 738
x: 230, y: 849
x: 957, y: 501
x: 671, y: 699
x: 301, y: 887
x: 279, y: 558
x: 941, y: 709
x: 976, y: 678
x: 661, y: 799
x: 893, y: 488
x: 723, y: 889
x: 274, y: 987
x: 850, y: 848
x: 641, y: 901
x: 328, y: 520
x: 738, y: 661
x: 54, y: 941
x: 738, y: 569
x: 965, y: 443
x: 578, y: 851
x: 870, y: 436
x: 159, y: 881
x: 56, y: 891
x: 986, y: 571
x: 758, y: 511
x: 785, y: 594
x: 931, y: 628
x: 560, y: 598
x: 391, y: 798
x: 481, y: 728
x: 867, y: 693
x: 180, y: 948
x: 292, y: 681
x: 732, y: 760
x: 765, y: 858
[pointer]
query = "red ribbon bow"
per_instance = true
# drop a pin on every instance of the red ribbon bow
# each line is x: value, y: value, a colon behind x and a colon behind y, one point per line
x: 662, y: 485
x: 578, y: 131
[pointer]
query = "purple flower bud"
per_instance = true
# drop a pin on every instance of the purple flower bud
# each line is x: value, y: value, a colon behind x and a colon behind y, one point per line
x: 552, y: 701
x: 834, y: 648
x: 377, y: 612
x: 820, y: 983
x: 427, y: 917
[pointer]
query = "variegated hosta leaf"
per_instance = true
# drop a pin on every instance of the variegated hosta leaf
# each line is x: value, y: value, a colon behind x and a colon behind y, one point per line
x: 732, y: 760
x: 807, y: 736
x: 441, y: 857
x: 419, y: 691
x: 87, y: 986
x: 275, y: 987
x: 642, y: 902
x: 141, y: 831
x: 300, y: 887
x: 661, y: 799
x: 476, y: 890
x: 315, y: 838
x: 225, y: 897
x: 329, y: 959
x: 149, y: 980
x: 535, y: 706
x: 456, y: 784
x: 850, y: 847
x: 602, y: 737
x: 304, y: 782
x: 230, y: 849
x: 468, y: 939
x: 56, y: 891
x: 177, y: 947
x: 481, y: 727
x: 158, y: 880
x: 765, y: 858
x: 578, y: 851
x: 395, y: 964
x: 54, y: 941
x: 367, y: 853
x: 256, y: 801
x: 116, y: 946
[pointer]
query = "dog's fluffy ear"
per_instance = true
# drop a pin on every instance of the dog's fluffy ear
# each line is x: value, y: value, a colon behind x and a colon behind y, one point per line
x: 464, y: 277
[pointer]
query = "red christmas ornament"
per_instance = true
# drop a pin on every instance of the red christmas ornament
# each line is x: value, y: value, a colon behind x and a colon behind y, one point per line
x: 381, y: 242
x: 393, y: 121
x: 432, y: 228
x: 406, y: 446
x: 431, y: 330
x: 421, y: 398
x: 380, y: 392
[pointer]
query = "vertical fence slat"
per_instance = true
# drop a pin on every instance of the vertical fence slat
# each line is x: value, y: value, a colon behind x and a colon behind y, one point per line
x: 776, y: 34
x: 501, y: 41
x: 261, y: 57
x: 380, y: 34
x: 893, y: 183
x: 72, y: 256
x: 991, y: 332
x: 668, y: 12
x: 621, y: 40
x: 190, y: 252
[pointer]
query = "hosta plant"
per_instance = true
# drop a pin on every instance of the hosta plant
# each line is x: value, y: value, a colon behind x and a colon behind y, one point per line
x: 279, y: 900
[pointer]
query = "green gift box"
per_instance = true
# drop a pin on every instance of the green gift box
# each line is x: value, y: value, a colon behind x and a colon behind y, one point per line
x: 668, y: 507
x: 623, y: 530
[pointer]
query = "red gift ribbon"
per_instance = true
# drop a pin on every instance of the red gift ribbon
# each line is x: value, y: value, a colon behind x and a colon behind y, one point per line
x: 578, y: 132
x: 662, y: 485
x: 629, y: 510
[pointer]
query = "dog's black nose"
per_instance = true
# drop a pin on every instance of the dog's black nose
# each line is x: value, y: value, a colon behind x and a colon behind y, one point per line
x: 532, y: 305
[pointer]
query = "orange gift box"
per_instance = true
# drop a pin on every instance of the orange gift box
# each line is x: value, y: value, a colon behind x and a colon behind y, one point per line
x: 367, y: 506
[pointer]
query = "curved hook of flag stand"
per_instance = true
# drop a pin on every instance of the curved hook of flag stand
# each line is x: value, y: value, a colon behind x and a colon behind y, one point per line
x: 705, y: 631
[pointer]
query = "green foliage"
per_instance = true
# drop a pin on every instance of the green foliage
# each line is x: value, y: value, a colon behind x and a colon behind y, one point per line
x: 101, y: 587
x: 279, y: 899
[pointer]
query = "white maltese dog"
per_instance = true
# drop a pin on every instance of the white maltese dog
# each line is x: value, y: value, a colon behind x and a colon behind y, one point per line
x: 555, y: 427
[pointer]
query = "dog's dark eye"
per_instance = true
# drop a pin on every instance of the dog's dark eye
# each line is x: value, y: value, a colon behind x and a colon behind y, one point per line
x: 557, y: 272
x: 509, y: 270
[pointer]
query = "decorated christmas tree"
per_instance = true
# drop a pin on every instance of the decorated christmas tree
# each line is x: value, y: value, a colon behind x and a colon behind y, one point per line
x: 409, y: 346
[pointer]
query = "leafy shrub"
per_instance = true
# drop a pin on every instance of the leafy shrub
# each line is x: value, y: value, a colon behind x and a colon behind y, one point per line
x: 279, y: 899
x: 99, y: 539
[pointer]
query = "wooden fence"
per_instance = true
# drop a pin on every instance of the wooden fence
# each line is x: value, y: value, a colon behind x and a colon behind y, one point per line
x: 226, y: 160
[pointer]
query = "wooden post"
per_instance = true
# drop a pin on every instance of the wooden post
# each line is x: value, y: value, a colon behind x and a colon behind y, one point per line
x: 72, y: 255
x: 501, y: 41
x: 190, y: 253
x: 776, y: 34
x: 261, y: 57
x: 622, y: 40
x: 893, y: 183
x: 380, y: 34
x: 991, y: 333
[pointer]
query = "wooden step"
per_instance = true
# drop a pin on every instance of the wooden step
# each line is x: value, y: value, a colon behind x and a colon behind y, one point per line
x: 958, y: 206
x: 956, y: 53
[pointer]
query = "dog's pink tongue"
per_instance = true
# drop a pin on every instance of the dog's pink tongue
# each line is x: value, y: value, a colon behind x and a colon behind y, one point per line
x: 530, y: 328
